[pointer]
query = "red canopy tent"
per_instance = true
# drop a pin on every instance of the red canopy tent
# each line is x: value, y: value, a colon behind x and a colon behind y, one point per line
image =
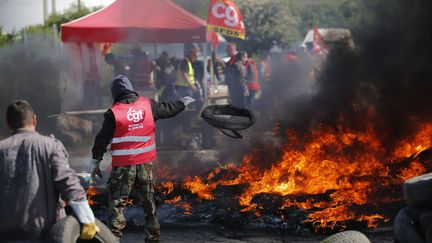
x: 145, y: 21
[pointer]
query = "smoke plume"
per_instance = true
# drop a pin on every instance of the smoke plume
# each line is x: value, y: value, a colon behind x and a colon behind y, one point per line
x: 390, y: 71
x: 30, y: 70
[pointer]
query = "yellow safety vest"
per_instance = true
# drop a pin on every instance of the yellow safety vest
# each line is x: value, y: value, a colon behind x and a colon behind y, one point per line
x: 191, y: 75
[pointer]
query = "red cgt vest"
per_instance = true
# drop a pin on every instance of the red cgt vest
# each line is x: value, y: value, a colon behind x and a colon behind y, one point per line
x: 254, y: 83
x: 133, y: 141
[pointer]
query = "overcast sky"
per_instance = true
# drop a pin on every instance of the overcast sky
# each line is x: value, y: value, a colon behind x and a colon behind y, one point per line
x: 15, y: 14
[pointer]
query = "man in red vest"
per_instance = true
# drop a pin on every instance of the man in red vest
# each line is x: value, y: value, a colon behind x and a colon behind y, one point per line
x: 130, y: 128
x: 253, y: 85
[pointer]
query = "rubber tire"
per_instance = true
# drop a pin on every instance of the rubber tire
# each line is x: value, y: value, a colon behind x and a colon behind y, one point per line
x: 213, y: 115
x: 68, y: 230
x: 405, y: 226
x: 418, y: 191
x: 349, y: 236
x: 425, y: 225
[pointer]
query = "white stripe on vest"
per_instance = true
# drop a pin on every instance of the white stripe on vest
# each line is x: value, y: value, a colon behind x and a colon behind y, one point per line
x: 131, y: 139
x: 121, y: 152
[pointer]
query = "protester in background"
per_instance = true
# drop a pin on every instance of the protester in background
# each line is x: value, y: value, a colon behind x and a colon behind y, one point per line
x: 252, y: 81
x: 34, y: 171
x: 186, y: 84
x: 163, y: 67
x: 130, y: 128
x: 166, y: 76
x: 218, y: 68
x: 235, y: 77
x: 275, y: 51
x: 264, y: 68
x: 141, y: 70
x: 117, y: 66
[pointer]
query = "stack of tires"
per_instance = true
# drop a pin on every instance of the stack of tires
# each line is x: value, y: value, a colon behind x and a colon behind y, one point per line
x: 414, y: 223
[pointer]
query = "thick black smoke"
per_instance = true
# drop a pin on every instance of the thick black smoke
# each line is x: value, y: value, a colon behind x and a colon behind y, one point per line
x: 30, y: 69
x: 390, y: 70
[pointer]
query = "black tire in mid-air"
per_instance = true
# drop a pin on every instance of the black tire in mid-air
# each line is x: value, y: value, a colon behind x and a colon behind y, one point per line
x: 68, y: 230
x: 228, y: 117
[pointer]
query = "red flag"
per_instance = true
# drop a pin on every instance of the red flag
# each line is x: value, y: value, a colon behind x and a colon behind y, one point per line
x: 318, y: 41
x: 224, y: 18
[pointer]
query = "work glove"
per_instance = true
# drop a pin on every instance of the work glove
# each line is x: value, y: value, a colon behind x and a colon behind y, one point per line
x: 86, y: 217
x: 187, y: 100
x: 89, y: 231
x: 95, y: 169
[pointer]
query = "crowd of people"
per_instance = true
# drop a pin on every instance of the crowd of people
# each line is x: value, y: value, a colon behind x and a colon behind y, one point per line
x: 175, y: 78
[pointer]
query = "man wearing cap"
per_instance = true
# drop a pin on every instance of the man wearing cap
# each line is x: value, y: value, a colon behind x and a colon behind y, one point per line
x: 34, y: 173
x: 130, y: 128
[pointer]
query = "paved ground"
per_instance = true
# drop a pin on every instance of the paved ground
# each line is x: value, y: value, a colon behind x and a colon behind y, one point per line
x: 204, y: 234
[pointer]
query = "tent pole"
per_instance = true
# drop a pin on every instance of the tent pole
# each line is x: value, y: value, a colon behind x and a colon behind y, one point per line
x: 204, y: 81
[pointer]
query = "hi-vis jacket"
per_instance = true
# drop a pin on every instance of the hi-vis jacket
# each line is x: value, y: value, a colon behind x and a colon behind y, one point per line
x: 191, y: 74
x: 133, y: 141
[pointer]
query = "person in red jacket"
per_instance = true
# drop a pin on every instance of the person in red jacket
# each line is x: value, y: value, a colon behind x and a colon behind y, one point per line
x: 253, y: 85
x: 130, y: 128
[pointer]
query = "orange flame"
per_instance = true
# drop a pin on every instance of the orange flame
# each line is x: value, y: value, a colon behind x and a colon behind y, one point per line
x: 349, y: 166
x: 176, y: 201
x: 91, y: 191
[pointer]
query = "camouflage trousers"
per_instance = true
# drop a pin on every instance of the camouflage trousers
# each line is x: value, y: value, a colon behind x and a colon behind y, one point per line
x: 120, y: 183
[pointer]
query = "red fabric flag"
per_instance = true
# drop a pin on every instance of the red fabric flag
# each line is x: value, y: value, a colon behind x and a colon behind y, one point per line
x: 318, y: 41
x: 224, y: 18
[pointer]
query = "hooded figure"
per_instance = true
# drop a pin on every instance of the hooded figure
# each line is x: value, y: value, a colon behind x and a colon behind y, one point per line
x: 120, y: 86
x: 129, y: 125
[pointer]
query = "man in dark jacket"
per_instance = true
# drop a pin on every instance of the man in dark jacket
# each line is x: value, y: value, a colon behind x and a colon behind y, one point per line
x: 235, y: 74
x: 129, y: 127
x: 34, y: 171
x: 117, y: 66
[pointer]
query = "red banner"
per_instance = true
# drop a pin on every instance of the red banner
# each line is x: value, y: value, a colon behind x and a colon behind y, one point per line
x: 224, y: 17
x: 319, y: 45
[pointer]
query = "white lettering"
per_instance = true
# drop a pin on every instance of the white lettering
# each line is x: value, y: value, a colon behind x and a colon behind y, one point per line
x: 230, y: 15
x: 134, y: 115
x: 215, y: 10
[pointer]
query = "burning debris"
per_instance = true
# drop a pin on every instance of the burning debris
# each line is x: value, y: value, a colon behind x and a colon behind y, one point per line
x: 335, y: 176
x: 329, y: 179
x: 347, y: 147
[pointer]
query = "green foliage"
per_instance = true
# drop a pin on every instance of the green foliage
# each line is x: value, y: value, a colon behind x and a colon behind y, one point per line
x: 199, y: 8
x: 266, y: 21
x: 57, y: 19
x: 342, y: 14
x: 7, y: 37
x: 286, y: 21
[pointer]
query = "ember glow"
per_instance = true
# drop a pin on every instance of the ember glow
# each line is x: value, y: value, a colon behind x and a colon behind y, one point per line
x: 335, y: 174
x: 91, y: 191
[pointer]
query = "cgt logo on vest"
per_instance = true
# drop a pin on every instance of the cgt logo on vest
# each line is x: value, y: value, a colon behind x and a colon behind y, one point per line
x: 135, y: 116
